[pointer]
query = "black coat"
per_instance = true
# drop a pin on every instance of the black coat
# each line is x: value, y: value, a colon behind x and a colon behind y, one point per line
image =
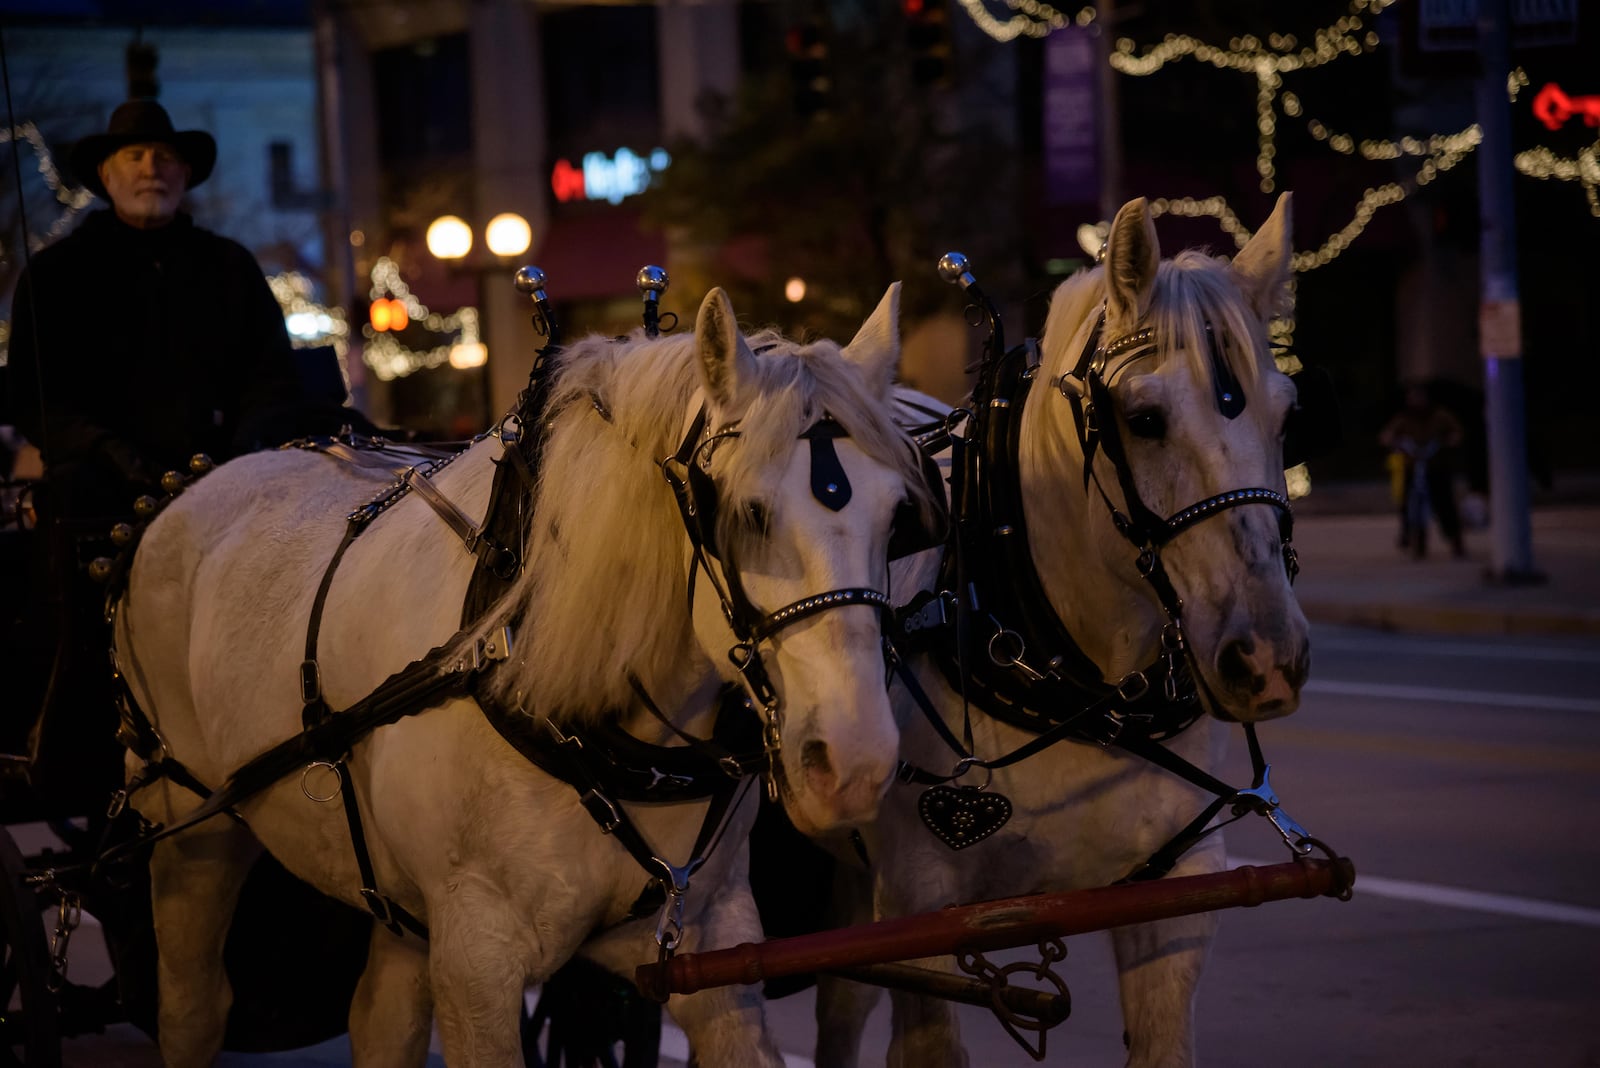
x: 146, y: 346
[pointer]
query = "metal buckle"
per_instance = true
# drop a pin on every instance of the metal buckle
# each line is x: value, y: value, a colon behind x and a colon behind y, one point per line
x: 1133, y: 686
x: 310, y: 681
x: 931, y: 615
x: 1117, y: 722
x: 380, y: 908
x: 600, y: 807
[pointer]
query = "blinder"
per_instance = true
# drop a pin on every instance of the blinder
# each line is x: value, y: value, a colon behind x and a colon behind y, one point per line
x: 830, y: 485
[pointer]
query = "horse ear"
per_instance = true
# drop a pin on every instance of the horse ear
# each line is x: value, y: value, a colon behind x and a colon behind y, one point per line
x: 875, y: 350
x: 1263, y: 265
x: 1132, y: 255
x: 725, y: 360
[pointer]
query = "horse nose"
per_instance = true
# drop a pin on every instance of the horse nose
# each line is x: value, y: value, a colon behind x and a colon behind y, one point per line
x: 850, y: 793
x: 814, y: 758
x: 1237, y: 667
x: 1268, y: 686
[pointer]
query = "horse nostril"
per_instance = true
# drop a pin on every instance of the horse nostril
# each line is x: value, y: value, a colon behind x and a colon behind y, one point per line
x: 1234, y: 665
x: 814, y: 757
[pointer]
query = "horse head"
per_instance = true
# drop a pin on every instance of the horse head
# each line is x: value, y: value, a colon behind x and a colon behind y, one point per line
x: 1171, y: 440
x: 760, y: 560
x: 810, y: 478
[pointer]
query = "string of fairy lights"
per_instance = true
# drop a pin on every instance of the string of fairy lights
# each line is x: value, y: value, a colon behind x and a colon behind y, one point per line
x: 391, y: 358
x: 1267, y: 60
x: 73, y: 198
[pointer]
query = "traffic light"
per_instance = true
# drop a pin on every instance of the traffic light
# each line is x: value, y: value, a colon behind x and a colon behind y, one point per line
x: 808, y: 67
x: 928, y: 36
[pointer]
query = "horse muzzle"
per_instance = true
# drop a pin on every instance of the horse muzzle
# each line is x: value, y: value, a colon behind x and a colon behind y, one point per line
x: 1258, y: 679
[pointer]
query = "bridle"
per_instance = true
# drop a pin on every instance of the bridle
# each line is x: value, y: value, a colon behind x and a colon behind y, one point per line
x: 687, y: 472
x: 1087, y: 389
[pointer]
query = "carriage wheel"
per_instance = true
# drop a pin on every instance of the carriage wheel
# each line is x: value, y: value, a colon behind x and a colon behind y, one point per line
x: 587, y: 1017
x: 29, y: 1028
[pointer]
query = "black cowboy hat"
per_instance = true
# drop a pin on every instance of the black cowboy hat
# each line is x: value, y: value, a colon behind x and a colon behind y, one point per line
x: 137, y: 122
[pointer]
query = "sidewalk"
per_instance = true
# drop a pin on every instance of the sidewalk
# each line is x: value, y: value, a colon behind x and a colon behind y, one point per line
x: 1351, y: 572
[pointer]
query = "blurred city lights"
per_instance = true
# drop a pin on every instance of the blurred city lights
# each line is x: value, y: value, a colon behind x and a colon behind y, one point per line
x: 508, y: 234
x: 468, y: 354
x: 449, y: 237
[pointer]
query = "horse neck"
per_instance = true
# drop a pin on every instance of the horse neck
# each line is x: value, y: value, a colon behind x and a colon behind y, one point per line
x: 1085, y: 567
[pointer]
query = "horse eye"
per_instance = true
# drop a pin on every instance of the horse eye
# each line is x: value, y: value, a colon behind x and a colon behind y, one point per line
x: 1149, y: 423
x: 756, y: 518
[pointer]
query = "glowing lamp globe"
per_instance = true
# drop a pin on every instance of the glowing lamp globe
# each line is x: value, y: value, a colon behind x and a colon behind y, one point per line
x: 795, y: 290
x: 508, y: 234
x: 449, y: 237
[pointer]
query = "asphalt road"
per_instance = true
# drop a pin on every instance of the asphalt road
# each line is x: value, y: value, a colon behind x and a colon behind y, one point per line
x: 1463, y: 777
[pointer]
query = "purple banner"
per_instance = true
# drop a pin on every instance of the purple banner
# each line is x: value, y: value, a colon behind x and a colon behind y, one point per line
x: 1071, y: 102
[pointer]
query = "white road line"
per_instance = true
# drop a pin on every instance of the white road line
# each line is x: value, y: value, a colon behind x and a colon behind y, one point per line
x: 1475, y: 650
x: 1473, y: 900
x: 1439, y: 695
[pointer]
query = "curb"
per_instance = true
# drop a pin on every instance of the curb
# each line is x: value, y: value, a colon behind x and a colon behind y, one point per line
x: 1432, y: 619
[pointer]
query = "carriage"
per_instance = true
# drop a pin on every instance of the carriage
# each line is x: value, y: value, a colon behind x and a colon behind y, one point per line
x: 793, y: 615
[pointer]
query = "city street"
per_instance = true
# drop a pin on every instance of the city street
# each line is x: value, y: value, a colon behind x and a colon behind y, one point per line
x: 1457, y: 772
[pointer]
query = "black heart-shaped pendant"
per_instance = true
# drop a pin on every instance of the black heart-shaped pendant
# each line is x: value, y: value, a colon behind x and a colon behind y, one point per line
x: 961, y: 815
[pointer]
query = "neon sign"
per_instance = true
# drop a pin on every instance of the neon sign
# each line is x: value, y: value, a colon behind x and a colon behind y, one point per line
x: 611, y: 178
x: 1553, y: 107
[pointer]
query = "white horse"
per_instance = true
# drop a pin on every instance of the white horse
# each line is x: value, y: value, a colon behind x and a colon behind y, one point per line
x: 1088, y: 815
x: 510, y: 874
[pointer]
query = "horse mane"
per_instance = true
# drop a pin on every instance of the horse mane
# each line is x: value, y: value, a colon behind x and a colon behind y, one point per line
x: 1191, y: 289
x: 604, y: 593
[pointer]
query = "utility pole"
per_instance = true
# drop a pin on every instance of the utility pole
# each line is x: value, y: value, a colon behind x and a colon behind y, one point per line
x: 1499, y: 308
x: 338, y: 253
x: 1110, y: 143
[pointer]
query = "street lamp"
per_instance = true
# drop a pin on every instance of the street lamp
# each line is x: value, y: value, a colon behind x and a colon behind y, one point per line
x: 449, y: 238
x: 508, y: 234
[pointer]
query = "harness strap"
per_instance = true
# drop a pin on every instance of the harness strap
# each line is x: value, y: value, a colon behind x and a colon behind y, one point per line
x: 581, y: 767
x: 419, y: 685
x: 314, y: 707
x: 386, y: 911
x: 1118, y: 731
x: 499, y: 559
x: 1101, y: 722
x: 734, y: 765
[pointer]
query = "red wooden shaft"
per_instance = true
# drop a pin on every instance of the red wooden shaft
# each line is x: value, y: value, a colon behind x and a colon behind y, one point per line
x: 993, y: 925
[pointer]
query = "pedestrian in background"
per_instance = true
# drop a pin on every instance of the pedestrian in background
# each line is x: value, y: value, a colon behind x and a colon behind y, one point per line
x: 1424, y: 437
